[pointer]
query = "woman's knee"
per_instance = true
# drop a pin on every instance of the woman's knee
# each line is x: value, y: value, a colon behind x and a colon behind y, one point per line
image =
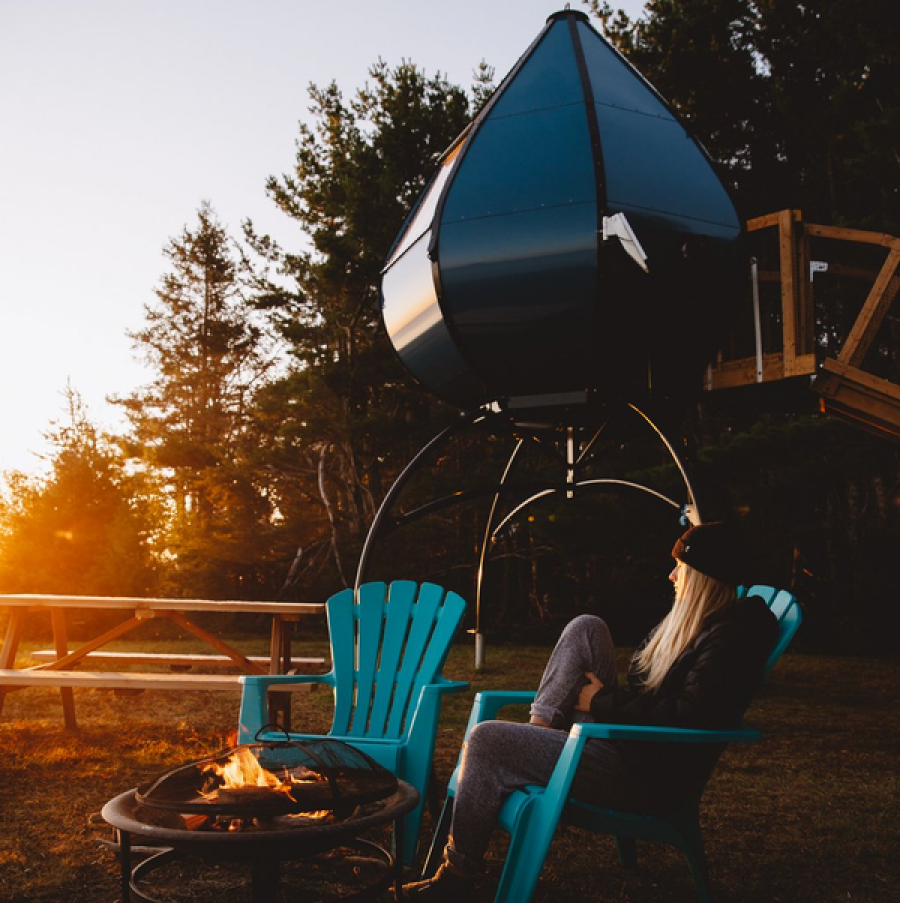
x: 486, y: 736
x: 497, y: 742
x: 589, y: 625
x: 483, y: 752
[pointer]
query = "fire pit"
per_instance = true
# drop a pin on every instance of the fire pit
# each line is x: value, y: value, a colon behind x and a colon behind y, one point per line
x: 263, y: 803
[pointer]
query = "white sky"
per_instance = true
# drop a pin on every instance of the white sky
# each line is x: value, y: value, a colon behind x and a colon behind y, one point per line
x: 118, y: 117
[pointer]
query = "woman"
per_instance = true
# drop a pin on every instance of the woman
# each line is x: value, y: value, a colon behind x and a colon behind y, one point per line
x: 698, y: 668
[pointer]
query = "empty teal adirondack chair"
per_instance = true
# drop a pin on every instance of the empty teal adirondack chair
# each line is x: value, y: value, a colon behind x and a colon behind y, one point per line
x: 530, y: 816
x: 388, y: 647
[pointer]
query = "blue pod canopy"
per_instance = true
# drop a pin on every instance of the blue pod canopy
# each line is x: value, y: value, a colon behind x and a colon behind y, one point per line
x: 575, y: 242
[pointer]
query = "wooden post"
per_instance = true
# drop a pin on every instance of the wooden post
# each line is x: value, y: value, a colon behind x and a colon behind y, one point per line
x: 11, y: 641
x: 806, y: 323
x: 10, y: 645
x: 61, y: 644
x: 787, y: 257
x: 872, y: 314
x: 280, y: 663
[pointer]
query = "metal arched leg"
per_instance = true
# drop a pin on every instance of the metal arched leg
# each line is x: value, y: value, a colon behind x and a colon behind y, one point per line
x: 482, y: 557
x: 385, y: 508
x: 495, y: 524
x: 679, y: 463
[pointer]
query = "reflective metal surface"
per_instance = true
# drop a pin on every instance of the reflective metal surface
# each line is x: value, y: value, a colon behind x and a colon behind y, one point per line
x: 501, y: 284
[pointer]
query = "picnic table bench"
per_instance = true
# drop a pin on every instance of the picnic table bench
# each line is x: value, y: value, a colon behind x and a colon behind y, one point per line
x: 60, y: 668
x: 177, y: 661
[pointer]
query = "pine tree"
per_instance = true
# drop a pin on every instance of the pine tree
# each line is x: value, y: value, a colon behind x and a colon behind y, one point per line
x: 209, y: 357
x: 798, y: 102
x: 341, y: 418
x: 89, y: 527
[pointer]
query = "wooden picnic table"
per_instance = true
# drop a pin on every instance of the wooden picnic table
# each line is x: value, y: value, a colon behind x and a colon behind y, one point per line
x: 59, y: 667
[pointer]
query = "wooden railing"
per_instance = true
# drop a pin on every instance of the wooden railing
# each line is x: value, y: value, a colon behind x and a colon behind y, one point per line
x: 845, y: 388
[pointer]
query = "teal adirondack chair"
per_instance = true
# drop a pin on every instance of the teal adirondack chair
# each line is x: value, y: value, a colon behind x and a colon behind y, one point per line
x: 530, y: 816
x: 388, y: 647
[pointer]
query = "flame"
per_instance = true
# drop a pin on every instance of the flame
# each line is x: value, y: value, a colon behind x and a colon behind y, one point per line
x: 242, y: 769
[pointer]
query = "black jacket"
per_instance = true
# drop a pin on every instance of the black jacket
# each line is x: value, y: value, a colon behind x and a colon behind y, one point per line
x: 709, y: 685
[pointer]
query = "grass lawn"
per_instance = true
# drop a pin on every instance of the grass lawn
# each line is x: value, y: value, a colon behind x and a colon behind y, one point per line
x: 808, y: 816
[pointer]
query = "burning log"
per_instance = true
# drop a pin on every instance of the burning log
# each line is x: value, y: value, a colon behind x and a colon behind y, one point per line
x: 249, y: 786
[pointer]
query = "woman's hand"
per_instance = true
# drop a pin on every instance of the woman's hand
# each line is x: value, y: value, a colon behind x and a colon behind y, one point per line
x: 588, y: 692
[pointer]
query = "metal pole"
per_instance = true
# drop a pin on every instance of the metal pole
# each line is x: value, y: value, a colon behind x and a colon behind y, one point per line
x: 394, y: 491
x: 757, y: 321
x: 479, y: 651
x: 485, y: 543
x: 692, y: 499
x: 125, y: 859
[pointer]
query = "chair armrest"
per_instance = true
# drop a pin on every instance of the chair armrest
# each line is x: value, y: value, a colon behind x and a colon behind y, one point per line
x: 254, y: 713
x: 446, y: 686
x: 265, y: 681
x: 560, y: 784
x: 743, y: 734
x: 488, y: 703
x: 551, y: 802
x: 427, y: 709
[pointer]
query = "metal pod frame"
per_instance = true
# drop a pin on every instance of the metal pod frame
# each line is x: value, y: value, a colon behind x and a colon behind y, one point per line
x: 575, y: 236
x: 575, y: 455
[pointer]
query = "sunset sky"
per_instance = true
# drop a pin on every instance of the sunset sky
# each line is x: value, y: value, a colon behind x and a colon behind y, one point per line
x: 119, y: 118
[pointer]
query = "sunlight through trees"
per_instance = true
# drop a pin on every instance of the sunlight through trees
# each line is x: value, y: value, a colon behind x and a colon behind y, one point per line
x: 277, y: 414
x: 90, y: 527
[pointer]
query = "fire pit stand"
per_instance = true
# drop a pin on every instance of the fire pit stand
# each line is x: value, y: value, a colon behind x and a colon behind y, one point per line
x: 264, y: 848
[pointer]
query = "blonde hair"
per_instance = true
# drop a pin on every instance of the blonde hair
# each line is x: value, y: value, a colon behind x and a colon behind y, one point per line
x: 697, y: 596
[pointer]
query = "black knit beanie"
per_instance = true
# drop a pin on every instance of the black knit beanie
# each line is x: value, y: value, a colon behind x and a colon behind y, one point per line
x: 713, y: 549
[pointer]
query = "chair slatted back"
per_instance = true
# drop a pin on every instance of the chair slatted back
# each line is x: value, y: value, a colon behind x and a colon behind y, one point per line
x: 786, y: 608
x: 386, y: 645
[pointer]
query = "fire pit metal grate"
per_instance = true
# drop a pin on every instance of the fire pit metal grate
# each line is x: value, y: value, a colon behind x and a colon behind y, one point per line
x: 271, y: 778
x: 263, y: 803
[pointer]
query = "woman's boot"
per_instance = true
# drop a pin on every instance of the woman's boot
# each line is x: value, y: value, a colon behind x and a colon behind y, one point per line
x: 450, y: 884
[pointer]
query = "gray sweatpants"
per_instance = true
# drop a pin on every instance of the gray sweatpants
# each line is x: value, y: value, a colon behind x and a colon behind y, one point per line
x: 502, y: 756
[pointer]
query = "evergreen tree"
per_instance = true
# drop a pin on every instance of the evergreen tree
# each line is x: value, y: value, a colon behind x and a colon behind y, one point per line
x: 700, y: 55
x: 341, y: 418
x: 208, y: 357
x: 833, y: 79
x: 799, y: 102
x: 88, y: 527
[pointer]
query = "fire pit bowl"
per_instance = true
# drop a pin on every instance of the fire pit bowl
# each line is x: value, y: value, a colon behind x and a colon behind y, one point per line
x: 263, y: 803
x: 263, y: 846
x: 275, y: 837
